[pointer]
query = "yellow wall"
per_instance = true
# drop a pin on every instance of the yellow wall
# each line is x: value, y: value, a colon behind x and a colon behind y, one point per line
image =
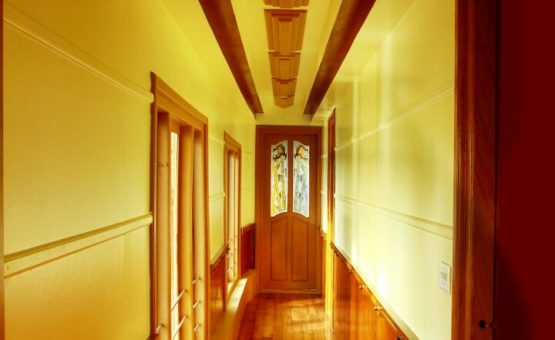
x: 77, y: 143
x: 394, y: 161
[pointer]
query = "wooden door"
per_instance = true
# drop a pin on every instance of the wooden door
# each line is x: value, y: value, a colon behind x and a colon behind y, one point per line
x: 288, y: 208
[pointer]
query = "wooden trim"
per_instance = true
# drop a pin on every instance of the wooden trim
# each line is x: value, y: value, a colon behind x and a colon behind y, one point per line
x: 169, y: 108
x: 41, y: 35
x: 167, y: 100
x: 224, y: 25
x: 475, y: 169
x: 331, y: 213
x: 218, y: 272
x: 231, y: 145
x: 409, y: 221
x: 361, y: 284
x: 153, y: 266
x: 207, y: 324
x: 350, y: 18
x: 248, y: 247
x: 331, y: 175
x: 218, y: 258
x: 218, y: 289
x: 248, y: 228
x: 2, y: 327
x: 25, y: 260
x: 265, y: 130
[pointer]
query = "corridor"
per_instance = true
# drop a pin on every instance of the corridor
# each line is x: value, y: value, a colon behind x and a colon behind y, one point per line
x: 265, y: 169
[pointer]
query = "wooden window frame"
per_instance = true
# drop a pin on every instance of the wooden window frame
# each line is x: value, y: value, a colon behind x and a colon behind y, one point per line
x: 231, y: 145
x: 330, y: 236
x: 2, y: 311
x: 169, y: 108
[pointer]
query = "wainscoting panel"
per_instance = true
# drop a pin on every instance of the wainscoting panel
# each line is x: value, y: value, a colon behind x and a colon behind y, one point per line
x: 66, y: 289
x: 18, y: 262
x: 218, y: 291
x: 357, y: 314
x: 247, y: 248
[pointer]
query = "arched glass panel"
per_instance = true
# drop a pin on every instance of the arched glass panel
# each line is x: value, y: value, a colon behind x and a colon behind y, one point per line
x: 301, y: 178
x: 279, y: 180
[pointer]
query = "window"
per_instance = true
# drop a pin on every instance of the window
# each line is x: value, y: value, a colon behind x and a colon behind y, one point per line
x: 278, y: 178
x: 179, y: 258
x: 301, y: 178
x: 232, y: 176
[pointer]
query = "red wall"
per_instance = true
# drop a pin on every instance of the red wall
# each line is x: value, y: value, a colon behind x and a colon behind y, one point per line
x: 525, y: 255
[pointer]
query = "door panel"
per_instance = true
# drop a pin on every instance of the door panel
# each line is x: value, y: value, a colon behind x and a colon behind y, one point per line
x: 288, y: 208
x: 278, y: 246
x: 299, y: 249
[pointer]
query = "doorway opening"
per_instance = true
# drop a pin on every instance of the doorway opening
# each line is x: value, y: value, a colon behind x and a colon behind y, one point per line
x: 288, y: 170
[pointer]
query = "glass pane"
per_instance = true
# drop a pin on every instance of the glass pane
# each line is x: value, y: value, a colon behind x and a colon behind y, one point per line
x: 174, y: 178
x: 278, y: 186
x: 301, y: 178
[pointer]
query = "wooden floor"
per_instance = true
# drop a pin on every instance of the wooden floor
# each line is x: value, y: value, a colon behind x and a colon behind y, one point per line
x: 283, y: 316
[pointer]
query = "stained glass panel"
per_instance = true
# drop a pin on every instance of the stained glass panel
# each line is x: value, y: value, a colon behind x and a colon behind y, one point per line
x: 301, y: 178
x: 278, y: 184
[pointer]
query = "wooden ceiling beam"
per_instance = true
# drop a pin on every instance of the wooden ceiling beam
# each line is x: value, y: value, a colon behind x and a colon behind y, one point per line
x: 222, y: 20
x: 350, y: 18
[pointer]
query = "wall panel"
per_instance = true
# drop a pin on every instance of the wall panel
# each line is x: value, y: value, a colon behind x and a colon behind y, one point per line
x: 82, y: 295
x: 77, y: 117
x: 394, y: 163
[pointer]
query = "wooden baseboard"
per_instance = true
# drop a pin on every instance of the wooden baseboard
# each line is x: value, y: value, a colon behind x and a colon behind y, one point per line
x: 356, y: 309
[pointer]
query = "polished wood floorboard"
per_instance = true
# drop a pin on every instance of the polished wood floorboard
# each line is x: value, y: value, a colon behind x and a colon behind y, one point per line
x: 284, y: 316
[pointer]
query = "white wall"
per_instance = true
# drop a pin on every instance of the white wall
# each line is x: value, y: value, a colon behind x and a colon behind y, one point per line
x: 77, y: 158
x: 394, y: 167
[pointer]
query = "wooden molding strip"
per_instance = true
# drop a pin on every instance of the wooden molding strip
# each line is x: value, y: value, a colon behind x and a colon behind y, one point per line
x: 216, y: 139
x: 170, y: 101
x: 216, y: 197
x: 231, y: 143
x: 39, y: 34
x: 423, y: 224
x: 248, y: 228
x: 21, y: 261
x: 476, y: 171
x: 224, y: 25
x: 218, y: 258
x: 286, y: 3
x: 350, y: 18
x: 402, y: 114
x: 368, y: 289
x: 2, y: 308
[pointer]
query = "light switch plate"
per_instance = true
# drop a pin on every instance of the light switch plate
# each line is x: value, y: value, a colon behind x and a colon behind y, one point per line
x: 445, y: 277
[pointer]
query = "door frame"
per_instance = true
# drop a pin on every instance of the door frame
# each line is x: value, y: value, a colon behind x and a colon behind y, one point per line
x: 330, y: 192
x: 262, y: 130
x: 475, y: 169
x: 169, y: 102
x: 232, y: 146
x: 2, y: 312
